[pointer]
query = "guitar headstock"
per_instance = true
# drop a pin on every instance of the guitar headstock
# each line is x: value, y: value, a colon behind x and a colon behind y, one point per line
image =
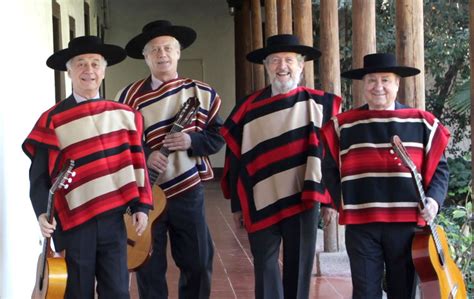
x: 187, y: 111
x: 64, y: 177
x: 401, y: 152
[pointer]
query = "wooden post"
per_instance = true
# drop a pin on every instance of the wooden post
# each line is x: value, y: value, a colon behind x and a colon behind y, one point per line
x: 363, y: 41
x: 331, y: 82
x: 410, y: 51
x: 270, y: 18
x: 329, y: 32
x: 304, y: 31
x: 247, y: 47
x: 257, y: 43
x: 239, y: 48
x: 284, y: 17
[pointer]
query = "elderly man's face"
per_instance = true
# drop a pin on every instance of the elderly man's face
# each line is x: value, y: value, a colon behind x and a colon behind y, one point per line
x: 87, y: 72
x: 284, y: 70
x: 380, y: 90
x: 161, y: 55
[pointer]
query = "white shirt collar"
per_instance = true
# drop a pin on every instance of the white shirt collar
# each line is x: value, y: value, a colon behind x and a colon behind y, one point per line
x: 80, y: 99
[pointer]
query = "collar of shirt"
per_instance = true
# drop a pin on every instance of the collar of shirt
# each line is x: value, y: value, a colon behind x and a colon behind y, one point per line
x: 391, y: 107
x: 155, y: 83
x: 80, y: 99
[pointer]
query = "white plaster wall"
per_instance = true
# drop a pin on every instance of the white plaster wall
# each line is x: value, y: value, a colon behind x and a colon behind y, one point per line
x: 27, y: 91
x: 214, y: 44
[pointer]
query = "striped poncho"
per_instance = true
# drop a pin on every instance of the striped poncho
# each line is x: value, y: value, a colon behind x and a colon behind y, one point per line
x: 104, y: 139
x: 273, y: 159
x: 159, y: 108
x: 375, y: 187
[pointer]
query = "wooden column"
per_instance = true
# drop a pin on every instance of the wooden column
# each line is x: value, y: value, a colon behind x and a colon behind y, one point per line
x: 270, y: 18
x: 330, y: 66
x: 246, y: 47
x: 304, y: 31
x: 284, y: 17
x: 257, y: 43
x: 363, y: 41
x: 410, y: 50
x: 331, y: 82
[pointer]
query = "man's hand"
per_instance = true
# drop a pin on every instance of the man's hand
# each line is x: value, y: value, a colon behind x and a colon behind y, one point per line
x: 238, y: 220
x: 140, y: 221
x: 46, y: 228
x: 328, y: 215
x: 157, y: 161
x: 431, y: 209
x: 177, y: 141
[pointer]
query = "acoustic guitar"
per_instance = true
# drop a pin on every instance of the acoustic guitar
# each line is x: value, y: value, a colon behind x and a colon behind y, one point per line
x: 51, y: 271
x: 140, y: 248
x: 439, y: 275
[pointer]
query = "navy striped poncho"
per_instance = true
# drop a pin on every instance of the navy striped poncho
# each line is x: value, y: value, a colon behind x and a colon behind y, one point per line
x: 273, y: 158
x: 375, y: 188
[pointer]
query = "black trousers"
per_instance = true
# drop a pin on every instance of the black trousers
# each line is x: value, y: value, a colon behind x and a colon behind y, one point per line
x: 375, y: 246
x: 97, y: 249
x: 298, y: 234
x: 191, y: 248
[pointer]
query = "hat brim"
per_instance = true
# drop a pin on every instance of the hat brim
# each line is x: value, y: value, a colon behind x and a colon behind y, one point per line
x: 185, y: 35
x: 111, y: 53
x: 259, y: 55
x: 402, y: 71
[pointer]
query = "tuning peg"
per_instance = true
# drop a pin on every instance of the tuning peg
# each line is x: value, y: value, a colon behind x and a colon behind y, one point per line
x: 399, y: 164
x: 392, y: 152
x: 65, y: 186
x: 73, y: 173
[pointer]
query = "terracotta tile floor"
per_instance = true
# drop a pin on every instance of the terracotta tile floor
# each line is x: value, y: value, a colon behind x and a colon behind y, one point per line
x: 233, y: 269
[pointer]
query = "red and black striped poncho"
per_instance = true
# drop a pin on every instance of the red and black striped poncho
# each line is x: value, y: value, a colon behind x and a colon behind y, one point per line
x: 104, y: 139
x: 375, y: 187
x: 273, y: 159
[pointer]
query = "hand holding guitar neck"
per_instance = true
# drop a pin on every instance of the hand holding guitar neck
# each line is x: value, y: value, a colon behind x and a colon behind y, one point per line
x: 439, y: 275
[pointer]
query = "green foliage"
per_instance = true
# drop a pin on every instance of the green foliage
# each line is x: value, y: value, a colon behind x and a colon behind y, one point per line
x: 456, y: 222
x: 459, y: 180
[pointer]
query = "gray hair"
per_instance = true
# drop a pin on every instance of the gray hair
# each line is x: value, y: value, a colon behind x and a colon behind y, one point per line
x: 103, y: 62
x: 299, y: 57
x: 175, y: 43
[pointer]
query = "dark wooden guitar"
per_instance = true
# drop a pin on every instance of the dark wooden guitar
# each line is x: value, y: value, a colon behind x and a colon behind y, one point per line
x: 140, y: 248
x: 439, y: 275
x: 51, y: 271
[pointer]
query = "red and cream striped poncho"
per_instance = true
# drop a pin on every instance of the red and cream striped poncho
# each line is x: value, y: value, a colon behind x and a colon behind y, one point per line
x: 104, y: 139
x: 273, y: 159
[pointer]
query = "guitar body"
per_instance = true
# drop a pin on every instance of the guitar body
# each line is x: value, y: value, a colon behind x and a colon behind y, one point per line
x: 54, y: 281
x: 436, y: 280
x: 139, y: 248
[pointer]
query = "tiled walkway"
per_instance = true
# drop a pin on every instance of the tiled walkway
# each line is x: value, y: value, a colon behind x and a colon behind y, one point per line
x: 233, y: 270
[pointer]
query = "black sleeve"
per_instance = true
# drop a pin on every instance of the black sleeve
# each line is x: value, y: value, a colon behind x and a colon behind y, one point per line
x: 207, y: 142
x: 331, y: 178
x: 40, y: 181
x: 438, y: 188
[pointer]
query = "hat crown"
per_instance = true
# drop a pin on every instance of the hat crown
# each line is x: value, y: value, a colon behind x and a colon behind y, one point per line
x: 283, y: 40
x: 156, y: 25
x: 85, y: 41
x: 380, y: 60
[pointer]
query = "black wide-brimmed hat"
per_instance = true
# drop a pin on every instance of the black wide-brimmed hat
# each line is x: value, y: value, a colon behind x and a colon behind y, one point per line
x: 283, y: 43
x: 185, y: 35
x: 380, y: 63
x: 82, y: 45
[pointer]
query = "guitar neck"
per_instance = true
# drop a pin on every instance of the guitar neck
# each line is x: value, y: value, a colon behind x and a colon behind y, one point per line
x: 431, y: 224
x: 165, y: 152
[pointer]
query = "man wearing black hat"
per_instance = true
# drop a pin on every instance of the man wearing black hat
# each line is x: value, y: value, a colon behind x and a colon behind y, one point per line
x: 272, y: 173
x: 159, y: 98
x: 103, y: 138
x: 374, y: 195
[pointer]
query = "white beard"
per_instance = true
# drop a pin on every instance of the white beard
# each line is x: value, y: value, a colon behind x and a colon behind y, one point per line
x: 284, y: 87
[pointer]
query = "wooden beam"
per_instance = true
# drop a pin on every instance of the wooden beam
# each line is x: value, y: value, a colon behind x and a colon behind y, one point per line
x: 329, y: 32
x: 304, y: 31
x: 284, y: 17
x: 257, y: 43
x: 410, y: 50
x: 363, y: 41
